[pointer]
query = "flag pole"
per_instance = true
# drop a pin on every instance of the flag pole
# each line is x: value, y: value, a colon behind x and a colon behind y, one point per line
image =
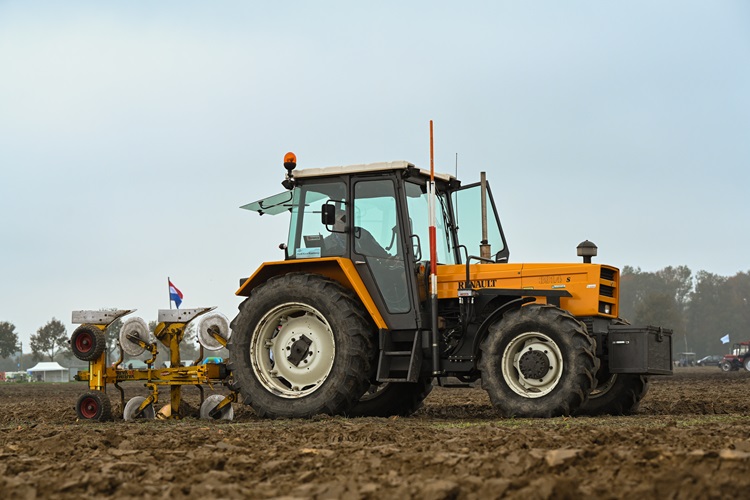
x: 169, y: 292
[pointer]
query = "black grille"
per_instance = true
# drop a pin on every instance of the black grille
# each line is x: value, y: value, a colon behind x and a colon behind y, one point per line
x: 608, y: 274
x: 607, y: 291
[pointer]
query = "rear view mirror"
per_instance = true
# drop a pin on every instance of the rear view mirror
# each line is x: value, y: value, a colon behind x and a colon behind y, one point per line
x: 327, y: 215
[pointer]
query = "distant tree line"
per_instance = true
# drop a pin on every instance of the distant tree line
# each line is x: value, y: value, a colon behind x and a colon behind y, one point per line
x: 701, y: 308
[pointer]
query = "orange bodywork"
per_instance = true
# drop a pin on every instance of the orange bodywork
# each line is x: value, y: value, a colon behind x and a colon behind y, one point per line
x: 336, y: 268
x: 584, y: 282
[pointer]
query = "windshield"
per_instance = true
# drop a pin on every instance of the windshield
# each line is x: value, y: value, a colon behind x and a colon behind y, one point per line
x: 467, y: 204
x: 419, y: 219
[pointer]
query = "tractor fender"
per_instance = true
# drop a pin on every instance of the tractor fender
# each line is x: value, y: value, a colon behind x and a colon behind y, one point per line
x: 496, y: 315
x: 336, y: 268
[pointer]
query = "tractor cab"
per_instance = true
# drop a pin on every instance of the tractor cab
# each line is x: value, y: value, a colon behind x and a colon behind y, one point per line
x: 376, y: 216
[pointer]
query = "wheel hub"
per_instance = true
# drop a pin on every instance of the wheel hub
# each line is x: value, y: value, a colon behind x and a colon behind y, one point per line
x: 534, y: 364
x: 89, y: 407
x: 84, y: 343
x: 298, y: 350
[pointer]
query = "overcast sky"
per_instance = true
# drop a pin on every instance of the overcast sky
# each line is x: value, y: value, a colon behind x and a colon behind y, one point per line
x: 131, y: 132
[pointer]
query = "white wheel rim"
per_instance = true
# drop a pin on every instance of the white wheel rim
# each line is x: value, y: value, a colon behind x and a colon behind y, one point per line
x: 214, y: 320
x: 602, y: 389
x: 212, y: 402
x: 278, y: 334
x: 131, y: 407
x: 136, y: 327
x: 532, y: 365
x: 373, y: 391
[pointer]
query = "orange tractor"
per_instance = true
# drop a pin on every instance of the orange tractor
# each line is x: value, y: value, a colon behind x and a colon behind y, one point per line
x: 395, y: 277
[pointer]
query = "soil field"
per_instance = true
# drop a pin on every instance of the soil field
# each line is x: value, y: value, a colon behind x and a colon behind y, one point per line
x: 690, y: 439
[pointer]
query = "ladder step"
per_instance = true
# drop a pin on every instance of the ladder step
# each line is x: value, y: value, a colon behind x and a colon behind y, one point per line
x: 400, y: 356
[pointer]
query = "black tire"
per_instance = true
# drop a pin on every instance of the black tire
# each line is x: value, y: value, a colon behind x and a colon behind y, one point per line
x: 94, y: 405
x: 393, y: 399
x: 88, y: 342
x: 725, y: 366
x: 308, y: 317
x: 620, y: 394
x: 538, y: 362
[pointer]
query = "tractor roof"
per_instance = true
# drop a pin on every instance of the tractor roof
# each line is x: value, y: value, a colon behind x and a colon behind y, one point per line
x: 365, y: 168
x: 283, y: 202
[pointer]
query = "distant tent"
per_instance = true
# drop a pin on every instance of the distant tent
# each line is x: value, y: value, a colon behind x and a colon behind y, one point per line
x: 49, y: 372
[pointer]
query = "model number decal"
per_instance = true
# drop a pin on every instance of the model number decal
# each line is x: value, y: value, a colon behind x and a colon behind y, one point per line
x: 552, y: 280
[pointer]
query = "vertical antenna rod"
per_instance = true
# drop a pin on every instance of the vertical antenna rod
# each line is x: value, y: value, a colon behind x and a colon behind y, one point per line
x: 484, y: 246
x: 433, y: 263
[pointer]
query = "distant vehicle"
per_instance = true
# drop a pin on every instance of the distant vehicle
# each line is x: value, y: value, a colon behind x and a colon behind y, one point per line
x: 686, y: 359
x: 214, y: 360
x: 712, y: 360
x: 739, y: 358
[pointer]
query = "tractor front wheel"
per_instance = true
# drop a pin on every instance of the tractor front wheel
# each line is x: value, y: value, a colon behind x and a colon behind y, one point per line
x: 725, y: 366
x: 538, y: 361
x: 301, y: 345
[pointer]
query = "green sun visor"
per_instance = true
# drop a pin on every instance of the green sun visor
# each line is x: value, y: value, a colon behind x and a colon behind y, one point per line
x: 273, y: 205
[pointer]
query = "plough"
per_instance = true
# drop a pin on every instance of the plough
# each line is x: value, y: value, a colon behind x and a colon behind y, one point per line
x: 88, y: 343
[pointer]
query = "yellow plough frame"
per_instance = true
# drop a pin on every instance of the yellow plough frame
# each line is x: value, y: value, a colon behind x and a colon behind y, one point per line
x: 88, y: 343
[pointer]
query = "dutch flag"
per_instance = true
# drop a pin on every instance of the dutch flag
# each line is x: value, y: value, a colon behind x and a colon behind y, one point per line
x: 174, y: 294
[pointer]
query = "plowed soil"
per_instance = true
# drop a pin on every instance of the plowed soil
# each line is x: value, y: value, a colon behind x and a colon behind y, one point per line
x: 690, y: 439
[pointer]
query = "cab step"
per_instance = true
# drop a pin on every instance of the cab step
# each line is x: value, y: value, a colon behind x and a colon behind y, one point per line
x: 400, y: 358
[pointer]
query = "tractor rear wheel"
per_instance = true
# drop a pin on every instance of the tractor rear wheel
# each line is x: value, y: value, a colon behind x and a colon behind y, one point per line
x: 393, y: 399
x: 94, y: 405
x: 301, y: 345
x: 87, y: 342
x: 538, y: 361
x: 620, y: 394
x: 746, y: 364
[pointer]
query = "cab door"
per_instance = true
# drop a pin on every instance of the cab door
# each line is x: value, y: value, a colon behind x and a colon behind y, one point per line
x: 381, y: 249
